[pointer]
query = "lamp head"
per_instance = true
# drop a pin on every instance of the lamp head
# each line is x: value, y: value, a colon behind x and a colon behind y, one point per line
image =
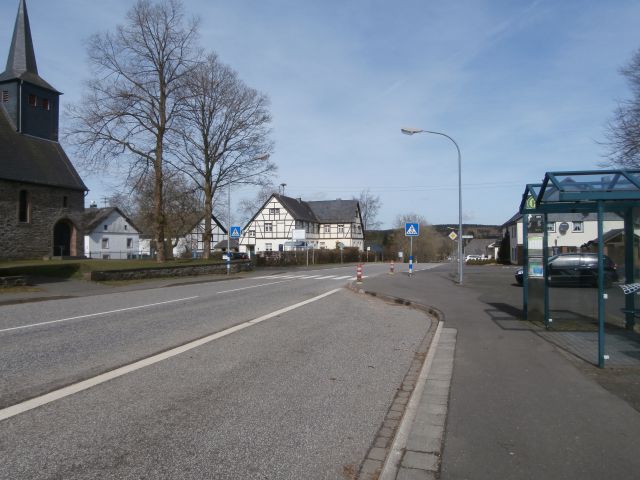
x: 411, y: 131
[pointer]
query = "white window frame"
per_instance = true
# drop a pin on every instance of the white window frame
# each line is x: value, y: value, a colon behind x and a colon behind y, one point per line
x: 268, y: 247
x: 577, y: 226
x: 326, y: 229
x: 105, y: 243
x: 341, y: 229
x: 551, y: 227
x: 129, y: 242
x: 268, y: 227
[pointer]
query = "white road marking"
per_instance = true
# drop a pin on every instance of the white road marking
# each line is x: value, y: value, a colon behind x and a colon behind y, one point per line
x: 118, y: 372
x: 253, y: 286
x: 343, y: 277
x: 323, y: 278
x: 96, y: 314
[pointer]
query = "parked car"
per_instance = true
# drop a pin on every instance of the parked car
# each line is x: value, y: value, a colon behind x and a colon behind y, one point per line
x: 236, y: 256
x: 576, y: 269
x: 472, y: 257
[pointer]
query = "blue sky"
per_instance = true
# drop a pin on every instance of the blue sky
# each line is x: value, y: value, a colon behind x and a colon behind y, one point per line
x: 524, y: 87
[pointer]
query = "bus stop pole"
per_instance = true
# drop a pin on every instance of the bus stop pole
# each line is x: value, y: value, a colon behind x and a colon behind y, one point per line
x: 601, y: 297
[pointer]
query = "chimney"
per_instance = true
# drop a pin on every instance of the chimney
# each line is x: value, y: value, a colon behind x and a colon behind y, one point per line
x: 93, y: 204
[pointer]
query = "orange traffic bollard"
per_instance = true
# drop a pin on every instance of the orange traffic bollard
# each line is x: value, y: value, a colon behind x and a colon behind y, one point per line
x: 392, y: 266
x: 359, y: 273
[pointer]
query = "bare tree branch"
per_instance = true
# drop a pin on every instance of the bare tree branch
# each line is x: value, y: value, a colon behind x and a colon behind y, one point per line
x: 623, y: 130
x: 137, y: 93
x: 222, y: 134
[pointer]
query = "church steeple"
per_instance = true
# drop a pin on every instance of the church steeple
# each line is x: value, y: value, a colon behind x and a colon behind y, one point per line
x: 22, y: 57
x: 21, y: 62
x: 30, y: 103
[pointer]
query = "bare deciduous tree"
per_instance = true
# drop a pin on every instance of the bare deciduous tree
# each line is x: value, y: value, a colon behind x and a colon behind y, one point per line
x: 181, y: 205
x: 428, y: 246
x: 369, y: 206
x: 224, y: 134
x: 623, y: 131
x: 136, y: 94
x: 249, y: 206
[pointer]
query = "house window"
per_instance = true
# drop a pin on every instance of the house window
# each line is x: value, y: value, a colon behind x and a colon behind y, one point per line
x: 106, y: 257
x: 578, y: 227
x: 65, y: 201
x: 126, y: 227
x: 45, y: 104
x: 105, y: 242
x: 33, y: 101
x: 551, y: 227
x: 327, y: 229
x: 24, y: 207
x: 268, y: 227
x: 129, y: 242
x: 252, y: 233
x: 299, y: 224
x: 274, y: 212
x: 322, y: 245
x: 340, y: 229
x: 106, y: 227
x: 5, y: 96
x: 268, y: 247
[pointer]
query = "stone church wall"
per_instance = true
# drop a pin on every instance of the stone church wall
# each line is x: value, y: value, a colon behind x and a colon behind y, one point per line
x: 34, y: 239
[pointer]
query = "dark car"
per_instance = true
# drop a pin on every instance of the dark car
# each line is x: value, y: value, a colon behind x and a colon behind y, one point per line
x: 577, y: 269
x: 239, y: 256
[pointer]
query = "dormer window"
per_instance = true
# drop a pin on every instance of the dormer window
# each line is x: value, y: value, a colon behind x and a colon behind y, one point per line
x: 33, y: 101
x: 45, y: 104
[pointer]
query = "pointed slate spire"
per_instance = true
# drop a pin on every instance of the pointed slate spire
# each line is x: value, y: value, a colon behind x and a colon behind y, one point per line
x: 22, y: 57
x: 21, y: 62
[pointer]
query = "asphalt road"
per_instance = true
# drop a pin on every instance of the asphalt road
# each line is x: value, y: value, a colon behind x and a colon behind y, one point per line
x: 300, y: 394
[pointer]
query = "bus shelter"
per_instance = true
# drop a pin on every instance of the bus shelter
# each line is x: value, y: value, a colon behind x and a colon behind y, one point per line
x: 580, y: 254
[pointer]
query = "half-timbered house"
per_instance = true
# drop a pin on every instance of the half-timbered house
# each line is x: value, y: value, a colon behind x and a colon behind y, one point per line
x: 326, y: 224
x: 193, y: 240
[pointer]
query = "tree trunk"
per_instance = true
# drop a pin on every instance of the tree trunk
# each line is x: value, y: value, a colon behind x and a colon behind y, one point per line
x: 208, y: 207
x: 158, y: 206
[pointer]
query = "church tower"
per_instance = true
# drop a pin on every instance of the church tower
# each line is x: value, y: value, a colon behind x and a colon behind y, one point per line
x: 30, y: 102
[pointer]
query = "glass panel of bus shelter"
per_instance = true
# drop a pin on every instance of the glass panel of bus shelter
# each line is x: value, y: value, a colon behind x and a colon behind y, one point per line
x: 622, y: 303
x: 572, y: 273
x: 595, y: 182
x: 535, y: 239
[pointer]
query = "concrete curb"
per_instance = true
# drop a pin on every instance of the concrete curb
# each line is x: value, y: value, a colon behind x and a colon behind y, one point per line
x: 376, y: 459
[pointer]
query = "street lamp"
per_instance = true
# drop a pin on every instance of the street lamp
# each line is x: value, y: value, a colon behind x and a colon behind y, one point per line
x: 413, y: 131
x: 264, y: 156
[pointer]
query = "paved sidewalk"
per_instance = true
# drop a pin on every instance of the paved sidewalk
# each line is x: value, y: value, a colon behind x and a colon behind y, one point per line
x: 519, y: 408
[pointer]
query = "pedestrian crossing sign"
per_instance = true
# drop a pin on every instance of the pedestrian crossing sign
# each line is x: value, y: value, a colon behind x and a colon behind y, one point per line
x: 411, y: 229
x: 235, y: 232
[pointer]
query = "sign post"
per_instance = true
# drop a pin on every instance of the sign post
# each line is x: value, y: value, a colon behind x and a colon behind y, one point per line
x: 234, y: 232
x: 411, y: 230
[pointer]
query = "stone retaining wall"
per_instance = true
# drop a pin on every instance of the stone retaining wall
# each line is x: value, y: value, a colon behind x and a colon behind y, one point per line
x: 173, y: 271
x: 13, y: 281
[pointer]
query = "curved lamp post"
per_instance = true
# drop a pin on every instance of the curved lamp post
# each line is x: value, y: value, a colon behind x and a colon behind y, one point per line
x: 413, y: 131
x: 264, y: 156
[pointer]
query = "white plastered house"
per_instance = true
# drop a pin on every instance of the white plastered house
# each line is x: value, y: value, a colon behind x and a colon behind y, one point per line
x: 326, y: 224
x: 109, y: 234
x: 567, y: 232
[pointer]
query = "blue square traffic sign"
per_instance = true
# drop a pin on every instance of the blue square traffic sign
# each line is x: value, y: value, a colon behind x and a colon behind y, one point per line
x: 235, y: 232
x: 411, y: 229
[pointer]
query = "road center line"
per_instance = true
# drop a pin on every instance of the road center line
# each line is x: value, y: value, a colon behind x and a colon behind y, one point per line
x: 145, y: 362
x: 96, y: 314
x: 252, y: 286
